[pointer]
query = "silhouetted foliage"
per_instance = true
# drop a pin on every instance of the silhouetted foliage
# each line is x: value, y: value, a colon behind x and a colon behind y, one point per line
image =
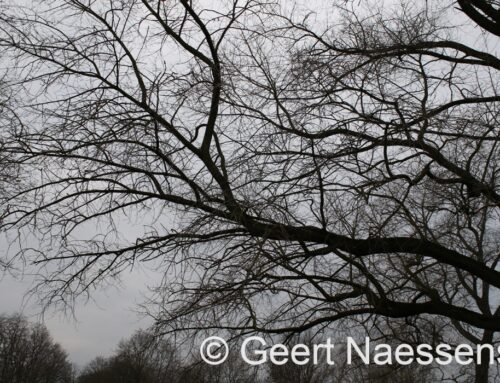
x: 289, y: 167
x: 29, y: 355
x: 146, y: 358
x: 140, y: 359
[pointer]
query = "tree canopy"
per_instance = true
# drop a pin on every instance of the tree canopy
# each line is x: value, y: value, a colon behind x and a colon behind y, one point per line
x: 287, y: 165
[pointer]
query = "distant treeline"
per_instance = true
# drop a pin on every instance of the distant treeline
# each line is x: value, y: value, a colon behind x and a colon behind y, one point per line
x: 28, y: 354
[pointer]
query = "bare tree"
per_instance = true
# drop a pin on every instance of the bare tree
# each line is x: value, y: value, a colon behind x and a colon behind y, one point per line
x: 290, y: 171
x: 142, y: 358
x: 337, y: 368
x: 233, y: 370
x: 98, y: 370
x: 29, y: 355
x: 147, y: 358
x: 309, y: 372
x: 483, y: 12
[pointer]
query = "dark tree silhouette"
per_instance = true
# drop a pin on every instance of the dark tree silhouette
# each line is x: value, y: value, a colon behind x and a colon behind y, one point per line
x: 143, y: 358
x: 287, y: 170
x: 486, y: 13
x: 29, y: 355
x: 148, y: 358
